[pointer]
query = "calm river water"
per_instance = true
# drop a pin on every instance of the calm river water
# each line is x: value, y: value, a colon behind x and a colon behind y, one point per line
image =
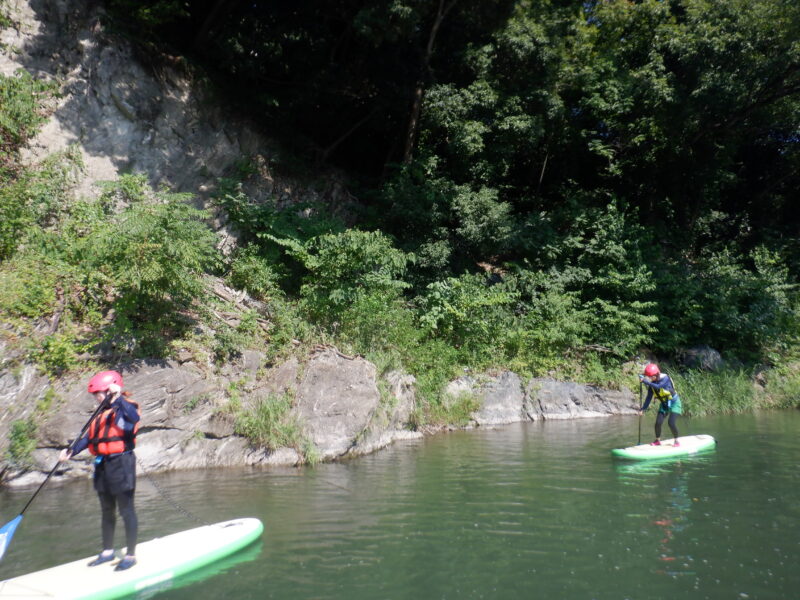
x: 527, y: 510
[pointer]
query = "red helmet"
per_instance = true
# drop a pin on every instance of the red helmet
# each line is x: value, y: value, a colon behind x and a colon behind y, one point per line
x: 651, y: 369
x: 103, y: 380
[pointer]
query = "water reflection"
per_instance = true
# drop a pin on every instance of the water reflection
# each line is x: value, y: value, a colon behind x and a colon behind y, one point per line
x: 657, y: 467
x: 672, y: 522
x: 667, y: 520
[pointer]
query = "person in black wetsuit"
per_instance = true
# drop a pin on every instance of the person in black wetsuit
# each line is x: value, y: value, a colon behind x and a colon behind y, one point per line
x: 111, y: 437
x: 660, y: 385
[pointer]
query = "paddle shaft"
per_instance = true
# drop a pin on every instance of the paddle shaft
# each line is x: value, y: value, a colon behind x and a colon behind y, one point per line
x: 96, y: 412
x: 640, y: 414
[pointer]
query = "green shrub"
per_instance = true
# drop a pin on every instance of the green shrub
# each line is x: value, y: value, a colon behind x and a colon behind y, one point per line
x: 469, y: 313
x: 28, y: 286
x: 782, y: 387
x: 58, y: 353
x: 5, y: 19
x: 250, y: 271
x: 230, y: 341
x: 45, y: 403
x: 135, y: 256
x: 155, y: 255
x: 415, y: 205
x: 36, y: 197
x: 341, y: 267
x: 271, y: 228
x: 385, y: 329
x: 484, y: 223
x: 129, y: 188
x: 449, y: 411
x: 288, y: 328
x: 742, y: 305
x: 16, y: 216
x: 434, y: 363
x: 446, y: 225
x: 378, y: 323
x: 552, y: 323
x: 21, y: 97
x: 21, y: 443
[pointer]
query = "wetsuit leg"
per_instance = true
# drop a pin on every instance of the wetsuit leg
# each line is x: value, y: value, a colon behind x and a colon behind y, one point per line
x: 672, y: 425
x: 128, y: 514
x: 108, y: 505
x: 659, y: 421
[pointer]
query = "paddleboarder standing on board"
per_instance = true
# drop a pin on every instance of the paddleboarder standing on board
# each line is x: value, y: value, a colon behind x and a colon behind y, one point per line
x: 660, y: 385
x: 111, y: 438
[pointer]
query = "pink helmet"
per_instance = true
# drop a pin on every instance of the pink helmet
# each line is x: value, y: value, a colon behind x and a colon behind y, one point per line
x: 651, y: 369
x: 103, y: 380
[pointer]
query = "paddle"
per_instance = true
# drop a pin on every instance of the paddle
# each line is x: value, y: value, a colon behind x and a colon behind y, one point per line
x: 7, y: 530
x: 640, y: 415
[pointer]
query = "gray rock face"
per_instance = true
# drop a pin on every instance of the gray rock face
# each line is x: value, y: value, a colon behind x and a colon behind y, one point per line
x: 502, y: 401
x: 126, y: 117
x: 20, y: 388
x: 551, y: 399
x: 187, y: 421
x: 336, y: 398
x: 123, y: 117
x: 344, y: 408
x: 390, y: 419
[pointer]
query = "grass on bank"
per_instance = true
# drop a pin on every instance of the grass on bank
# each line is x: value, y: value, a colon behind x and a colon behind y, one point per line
x: 733, y: 391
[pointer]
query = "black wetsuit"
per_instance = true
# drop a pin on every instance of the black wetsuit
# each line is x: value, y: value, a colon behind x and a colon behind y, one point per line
x: 115, y: 481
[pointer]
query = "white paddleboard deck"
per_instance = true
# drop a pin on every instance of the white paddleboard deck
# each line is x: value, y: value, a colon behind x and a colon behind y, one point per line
x: 158, y: 561
x: 689, y: 444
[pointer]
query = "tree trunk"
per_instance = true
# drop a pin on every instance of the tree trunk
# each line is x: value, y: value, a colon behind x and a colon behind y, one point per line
x: 419, y: 90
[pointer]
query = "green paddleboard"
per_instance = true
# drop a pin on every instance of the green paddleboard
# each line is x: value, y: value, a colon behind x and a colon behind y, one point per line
x: 687, y: 445
x: 159, y: 561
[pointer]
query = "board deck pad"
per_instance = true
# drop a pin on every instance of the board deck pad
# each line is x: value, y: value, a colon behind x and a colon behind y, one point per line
x: 158, y: 561
x: 689, y: 444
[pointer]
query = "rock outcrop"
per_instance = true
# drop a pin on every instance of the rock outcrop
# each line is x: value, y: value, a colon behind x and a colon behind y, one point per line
x: 343, y: 406
x: 125, y: 116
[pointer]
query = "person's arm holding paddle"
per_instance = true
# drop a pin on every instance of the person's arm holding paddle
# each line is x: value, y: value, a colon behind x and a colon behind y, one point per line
x: 648, y: 398
x: 80, y: 444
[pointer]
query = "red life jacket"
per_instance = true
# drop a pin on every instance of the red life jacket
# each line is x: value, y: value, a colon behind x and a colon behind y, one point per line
x: 106, y: 437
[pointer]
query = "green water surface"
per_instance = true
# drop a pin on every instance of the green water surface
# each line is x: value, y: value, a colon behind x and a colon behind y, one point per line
x: 534, y: 510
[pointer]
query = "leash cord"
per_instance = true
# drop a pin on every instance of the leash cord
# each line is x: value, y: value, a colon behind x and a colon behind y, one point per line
x: 182, y: 510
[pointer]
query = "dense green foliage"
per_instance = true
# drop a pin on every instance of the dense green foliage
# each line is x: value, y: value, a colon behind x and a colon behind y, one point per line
x: 114, y: 275
x: 548, y: 186
x: 636, y: 159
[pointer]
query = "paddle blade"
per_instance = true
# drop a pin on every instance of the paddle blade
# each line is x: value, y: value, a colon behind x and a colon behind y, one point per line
x: 6, y: 533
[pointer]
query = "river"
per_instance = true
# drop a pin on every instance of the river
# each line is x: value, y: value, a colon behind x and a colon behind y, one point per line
x: 526, y: 510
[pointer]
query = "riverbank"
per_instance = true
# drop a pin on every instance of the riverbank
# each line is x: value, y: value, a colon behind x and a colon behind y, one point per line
x: 337, y: 406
